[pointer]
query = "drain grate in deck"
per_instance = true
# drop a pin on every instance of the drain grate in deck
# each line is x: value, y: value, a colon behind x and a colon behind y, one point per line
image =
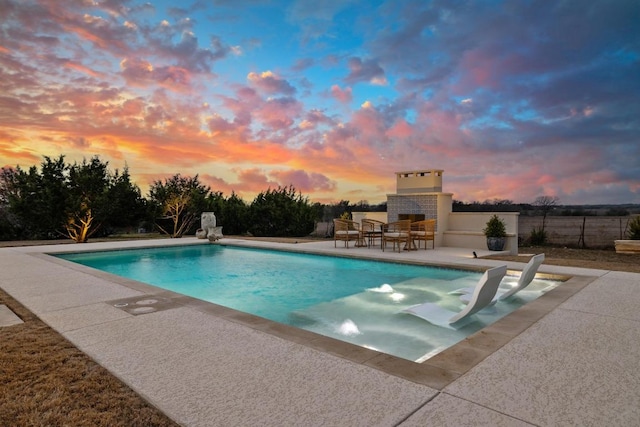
x: 143, y: 304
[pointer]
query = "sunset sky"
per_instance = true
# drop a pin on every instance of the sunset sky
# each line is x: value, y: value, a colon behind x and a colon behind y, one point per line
x: 512, y: 99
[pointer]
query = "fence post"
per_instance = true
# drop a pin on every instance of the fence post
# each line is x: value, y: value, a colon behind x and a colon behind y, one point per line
x: 581, y: 238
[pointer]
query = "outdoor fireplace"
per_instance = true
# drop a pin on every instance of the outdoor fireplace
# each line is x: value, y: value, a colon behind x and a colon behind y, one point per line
x: 412, y: 217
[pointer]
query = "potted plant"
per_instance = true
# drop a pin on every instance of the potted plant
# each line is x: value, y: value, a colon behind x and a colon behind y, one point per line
x: 496, y: 233
x: 632, y: 244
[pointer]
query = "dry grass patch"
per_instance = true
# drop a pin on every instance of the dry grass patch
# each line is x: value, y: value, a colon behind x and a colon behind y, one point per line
x: 46, y: 381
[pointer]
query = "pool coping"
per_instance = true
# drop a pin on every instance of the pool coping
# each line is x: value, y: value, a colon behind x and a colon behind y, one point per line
x: 436, y: 372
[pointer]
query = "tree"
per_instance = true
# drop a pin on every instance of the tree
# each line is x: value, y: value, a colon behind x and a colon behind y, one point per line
x: 7, y: 219
x: 178, y: 203
x: 36, y: 199
x: 545, y: 204
x: 98, y: 200
x: 88, y: 198
x: 234, y: 215
x: 335, y: 210
x: 127, y: 207
x: 68, y: 200
x: 282, y: 212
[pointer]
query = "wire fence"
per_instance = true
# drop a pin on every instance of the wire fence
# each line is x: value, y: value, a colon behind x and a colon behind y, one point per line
x: 576, y: 231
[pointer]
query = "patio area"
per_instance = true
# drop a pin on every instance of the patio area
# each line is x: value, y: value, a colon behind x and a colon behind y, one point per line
x: 568, y: 358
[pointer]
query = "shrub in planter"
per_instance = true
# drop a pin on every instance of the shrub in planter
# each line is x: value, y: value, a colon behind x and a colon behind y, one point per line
x: 633, y: 233
x: 496, y: 233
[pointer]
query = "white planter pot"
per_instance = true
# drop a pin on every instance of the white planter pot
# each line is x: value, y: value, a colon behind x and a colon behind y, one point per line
x: 628, y: 246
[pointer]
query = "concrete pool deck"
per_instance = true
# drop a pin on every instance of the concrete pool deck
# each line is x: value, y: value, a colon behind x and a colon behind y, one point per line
x: 568, y: 358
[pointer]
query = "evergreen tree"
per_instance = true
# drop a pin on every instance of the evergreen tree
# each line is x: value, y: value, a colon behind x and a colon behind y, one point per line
x: 281, y: 213
x: 37, y: 199
x: 234, y: 215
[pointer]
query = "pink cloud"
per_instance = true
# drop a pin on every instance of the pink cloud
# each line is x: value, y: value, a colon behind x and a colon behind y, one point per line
x: 315, y: 118
x: 141, y: 73
x: 400, y: 129
x: 344, y: 96
x: 219, y: 125
x: 107, y: 34
x: 303, y: 181
x: 217, y: 184
x: 369, y: 123
x: 86, y: 70
x: 279, y: 113
x: 270, y: 83
x: 255, y: 180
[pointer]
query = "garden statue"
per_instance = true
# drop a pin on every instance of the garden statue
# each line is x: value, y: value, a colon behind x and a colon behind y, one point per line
x: 208, y: 228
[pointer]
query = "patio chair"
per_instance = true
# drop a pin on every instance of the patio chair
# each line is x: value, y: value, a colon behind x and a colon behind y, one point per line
x: 346, y: 230
x: 372, y: 230
x: 425, y: 231
x: 528, y: 273
x: 397, y: 232
x: 482, y: 296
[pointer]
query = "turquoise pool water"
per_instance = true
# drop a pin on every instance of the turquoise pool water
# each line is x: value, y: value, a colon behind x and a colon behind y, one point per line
x: 357, y: 301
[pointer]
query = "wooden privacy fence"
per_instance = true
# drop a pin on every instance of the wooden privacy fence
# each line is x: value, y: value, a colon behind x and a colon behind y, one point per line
x: 576, y: 231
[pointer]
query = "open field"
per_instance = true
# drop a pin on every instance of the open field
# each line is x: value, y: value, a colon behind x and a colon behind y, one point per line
x: 44, y: 380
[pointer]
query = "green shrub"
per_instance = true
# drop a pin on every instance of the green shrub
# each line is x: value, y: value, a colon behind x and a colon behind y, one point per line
x: 538, y: 236
x: 633, y: 230
x: 282, y: 212
x: 495, y: 227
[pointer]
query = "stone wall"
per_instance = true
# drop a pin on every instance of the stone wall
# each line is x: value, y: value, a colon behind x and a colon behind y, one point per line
x: 426, y: 204
x: 599, y: 231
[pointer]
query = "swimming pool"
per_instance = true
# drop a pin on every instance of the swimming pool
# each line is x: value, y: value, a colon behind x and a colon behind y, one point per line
x: 353, y: 300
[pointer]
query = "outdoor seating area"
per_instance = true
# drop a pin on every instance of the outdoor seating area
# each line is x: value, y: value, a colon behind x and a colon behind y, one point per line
x: 399, y: 235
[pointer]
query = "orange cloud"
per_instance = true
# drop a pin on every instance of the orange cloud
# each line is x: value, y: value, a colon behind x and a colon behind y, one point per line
x: 23, y: 157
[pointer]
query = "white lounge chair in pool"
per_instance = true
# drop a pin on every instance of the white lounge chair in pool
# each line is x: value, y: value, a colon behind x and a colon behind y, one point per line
x: 482, y: 296
x: 528, y: 273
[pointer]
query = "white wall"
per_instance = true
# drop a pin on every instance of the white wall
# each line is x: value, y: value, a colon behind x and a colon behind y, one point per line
x: 465, y: 230
x: 445, y: 203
